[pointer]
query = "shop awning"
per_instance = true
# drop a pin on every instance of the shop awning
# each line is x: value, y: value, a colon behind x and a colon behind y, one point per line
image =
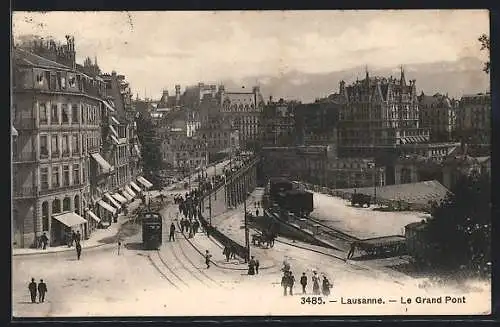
x: 107, y: 206
x: 93, y: 216
x: 144, y: 182
x: 115, y: 121
x: 70, y: 219
x: 13, y: 131
x: 129, y: 190
x: 113, y: 201
x: 135, y: 187
x: 102, y: 162
x: 137, y: 149
x: 108, y: 106
x: 115, y: 139
x: 120, y: 198
x: 113, y: 130
x: 127, y: 195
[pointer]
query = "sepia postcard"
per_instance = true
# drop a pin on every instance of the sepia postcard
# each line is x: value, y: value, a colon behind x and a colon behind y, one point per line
x: 250, y: 163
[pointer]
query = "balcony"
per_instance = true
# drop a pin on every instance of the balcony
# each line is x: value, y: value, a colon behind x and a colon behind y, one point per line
x: 56, y: 189
x: 25, y: 192
x: 26, y: 157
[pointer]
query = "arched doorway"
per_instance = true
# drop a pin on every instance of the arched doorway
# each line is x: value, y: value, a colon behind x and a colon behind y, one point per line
x: 67, y: 204
x: 56, y: 227
x: 77, y: 204
x: 56, y: 206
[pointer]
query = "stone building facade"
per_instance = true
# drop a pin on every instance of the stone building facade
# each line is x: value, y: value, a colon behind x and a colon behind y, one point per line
x: 474, y: 118
x: 438, y: 113
x: 278, y: 123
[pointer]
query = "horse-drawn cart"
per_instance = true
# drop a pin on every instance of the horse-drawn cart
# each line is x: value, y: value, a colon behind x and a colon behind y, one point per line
x: 261, y: 239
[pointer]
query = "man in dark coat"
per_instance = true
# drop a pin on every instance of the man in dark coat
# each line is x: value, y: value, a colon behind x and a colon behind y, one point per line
x: 303, y: 282
x: 44, y: 239
x: 42, y: 289
x: 32, y: 289
x: 172, y: 232
x: 226, y: 252
x: 78, y: 250
x: 291, y: 281
x: 257, y: 264
x: 78, y: 237
x: 284, y: 282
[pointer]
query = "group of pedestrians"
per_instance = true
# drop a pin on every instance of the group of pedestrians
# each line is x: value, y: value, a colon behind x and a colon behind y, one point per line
x: 75, y: 238
x: 229, y: 251
x: 190, y: 226
x: 288, y: 281
x: 41, y: 288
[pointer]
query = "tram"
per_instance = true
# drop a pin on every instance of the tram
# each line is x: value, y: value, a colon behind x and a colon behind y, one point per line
x: 152, y: 230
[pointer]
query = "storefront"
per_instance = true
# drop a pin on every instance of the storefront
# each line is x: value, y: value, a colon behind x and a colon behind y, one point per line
x: 92, y: 222
x: 66, y: 224
x: 107, y: 212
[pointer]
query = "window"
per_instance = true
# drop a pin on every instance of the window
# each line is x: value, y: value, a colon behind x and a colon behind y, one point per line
x: 82, y: 111
x: 56, y: 206
x: 65, y: 145
x: 44, y: 119
x: 45, y: 216
x: 76, y: 174
x: 44, y: 178
x: 75, y: 145
x: 84, y: 176
x: 66, y: 175
x: 55, y: 177
x: 54, y: 114
x: 71, y: 81
x: 66, y: 204
x: 44, y: 148
x: 55, y: 146
x: 65, y: 113
x: 74, y: 114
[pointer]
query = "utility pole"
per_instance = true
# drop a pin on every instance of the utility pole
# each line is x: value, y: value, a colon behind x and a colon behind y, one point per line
x: 247, y: 242
x: 210, y: 208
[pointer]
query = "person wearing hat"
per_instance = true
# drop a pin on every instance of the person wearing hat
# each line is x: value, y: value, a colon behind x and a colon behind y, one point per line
x: 32, y: 289
x: 315, y: 280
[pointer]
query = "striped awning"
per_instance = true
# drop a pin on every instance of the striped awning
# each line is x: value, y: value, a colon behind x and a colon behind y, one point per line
x: 13, y: 131
x: 115, y: 139
x: 113, y: 201
x: 93, y: 216
x: 113, y: 130
x: 145, y: 182
x: 129, y: 190
x: 127, y: 195
x: 135, y: 187
x: 70, y: 219
x: 136, y: 147
x: 102, y: 162
x: 120, y: 198
x: 107, y: 206
x: 108, y: 106
x: 115, y: 121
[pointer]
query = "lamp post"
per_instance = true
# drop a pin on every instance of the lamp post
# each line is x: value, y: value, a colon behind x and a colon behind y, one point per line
x: 373, y: 167
x: 247, y: 240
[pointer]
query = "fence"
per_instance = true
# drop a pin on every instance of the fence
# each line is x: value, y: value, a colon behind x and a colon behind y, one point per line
x: 396, y: 205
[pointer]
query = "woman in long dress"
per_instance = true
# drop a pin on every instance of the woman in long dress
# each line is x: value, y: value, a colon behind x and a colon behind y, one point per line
x: 315, y: 280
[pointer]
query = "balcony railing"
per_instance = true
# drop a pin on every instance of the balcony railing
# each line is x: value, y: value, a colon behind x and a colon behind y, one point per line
x: 24, y: 157
x: 61, y: 188
x: 25, y: 192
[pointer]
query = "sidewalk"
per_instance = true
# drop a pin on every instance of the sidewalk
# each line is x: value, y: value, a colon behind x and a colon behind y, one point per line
x: 98, y: 238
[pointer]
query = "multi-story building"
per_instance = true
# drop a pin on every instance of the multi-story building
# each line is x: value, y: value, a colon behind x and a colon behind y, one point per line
x: 319, y: 165
x: 438, y: 114
x: 221, y: 137
x: 316, y: 123
x: 57, y: 113
x: 61, y: 167
x: 378, y: 113
x: 278, y: 123
x: 184, y: 153
x: 474, y: 118
x: 243, y: 110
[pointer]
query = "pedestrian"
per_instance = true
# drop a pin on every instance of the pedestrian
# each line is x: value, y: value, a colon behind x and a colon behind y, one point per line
x: 291, y: 281
x: 207, y: 258
x: 78, y: 237
x: 73, y: 238
x: 257, y: 263
x: 32, y: 289
x: 172, y: 233
x: 351, y: 251
x: 315, y: 279
x: 119, y: 246
x: 251, y: 266
x: 78, y: 250
x: 44, y: 239
x: 284, y: 282
x: 196, y: 226
x: 326, y: 286
x: 42, y: 289
x: 226, y: 252
x: 257, y: 213
x: 303, y: 282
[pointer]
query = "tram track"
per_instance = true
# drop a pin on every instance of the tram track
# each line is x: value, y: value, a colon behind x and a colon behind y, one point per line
x: 185, y: 268
x: 170, y: 269
x: 162, y: 273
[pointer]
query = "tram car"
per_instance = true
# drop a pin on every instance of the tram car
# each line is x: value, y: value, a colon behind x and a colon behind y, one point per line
x: 152, y: 231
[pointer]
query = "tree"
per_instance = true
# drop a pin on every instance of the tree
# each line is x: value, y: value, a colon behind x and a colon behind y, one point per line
x: 150, y: 144
x: 459, y: 232
x: 485, y: 45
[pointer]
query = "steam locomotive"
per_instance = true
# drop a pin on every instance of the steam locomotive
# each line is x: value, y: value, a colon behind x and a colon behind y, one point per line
x: 288, y: 196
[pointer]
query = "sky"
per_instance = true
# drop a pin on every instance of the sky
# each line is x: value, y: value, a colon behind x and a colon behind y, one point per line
x: 156, y: 50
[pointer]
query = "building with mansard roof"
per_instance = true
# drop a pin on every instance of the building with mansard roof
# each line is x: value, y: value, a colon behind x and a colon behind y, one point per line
x: 438, y: 113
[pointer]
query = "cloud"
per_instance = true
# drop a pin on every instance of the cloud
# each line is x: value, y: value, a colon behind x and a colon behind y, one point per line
x: 154, y: 49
